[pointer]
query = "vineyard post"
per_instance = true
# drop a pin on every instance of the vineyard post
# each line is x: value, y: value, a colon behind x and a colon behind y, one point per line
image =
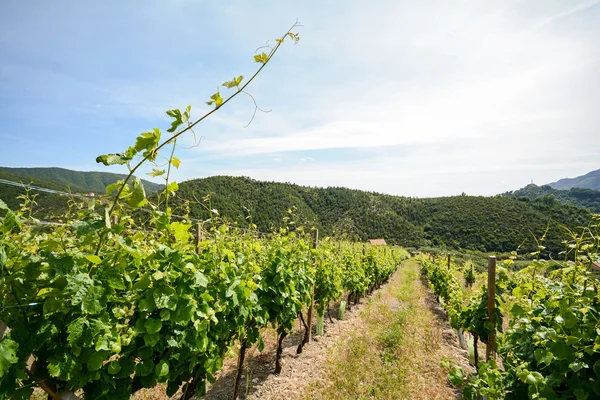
x: 491, y: 341
x: 449, y: 257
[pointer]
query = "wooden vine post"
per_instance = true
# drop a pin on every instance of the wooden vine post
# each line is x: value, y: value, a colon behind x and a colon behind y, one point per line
x: 449, y: 257
x: 490, y: 347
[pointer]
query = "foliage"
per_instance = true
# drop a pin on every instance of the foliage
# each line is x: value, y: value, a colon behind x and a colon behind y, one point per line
x: 574, y: 196
x: 551, y: 349
x: 77, y: 181
x: 107, y: 306
x: 499, y: 224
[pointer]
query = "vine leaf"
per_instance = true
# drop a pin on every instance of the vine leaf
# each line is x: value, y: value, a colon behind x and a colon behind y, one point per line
x: 217, y: 100
x: 138, y: 195
x: 235, y: 82
x: 261, y: 58
x: 156, y: 172
x: 8, y: 355
x: 176, y: 162
x: 112, y: 159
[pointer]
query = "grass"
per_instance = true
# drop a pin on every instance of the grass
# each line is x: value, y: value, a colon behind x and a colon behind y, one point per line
x: 396, y: 352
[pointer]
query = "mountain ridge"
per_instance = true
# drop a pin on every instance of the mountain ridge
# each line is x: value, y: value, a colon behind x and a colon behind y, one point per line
x: 89, y: 181
x: 591, y: 180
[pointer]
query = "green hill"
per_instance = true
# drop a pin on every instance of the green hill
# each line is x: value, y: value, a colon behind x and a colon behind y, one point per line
x: 591, y: 180
x: 587, y: 198
x: 479, y: 223
x: 80, y: 181
x: 46, y: 205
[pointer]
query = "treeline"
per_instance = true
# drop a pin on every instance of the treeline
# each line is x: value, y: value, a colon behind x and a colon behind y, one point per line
x: 498, y: 224
x: 587, y: 198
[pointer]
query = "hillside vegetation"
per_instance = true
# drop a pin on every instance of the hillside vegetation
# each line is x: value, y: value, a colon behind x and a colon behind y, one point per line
x: 78, y: 181
x: 587, y: 198
x: 47, y: 204
x: 497, y: 224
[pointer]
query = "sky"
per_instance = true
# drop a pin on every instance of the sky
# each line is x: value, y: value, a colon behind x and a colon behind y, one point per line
x: 415, y: 98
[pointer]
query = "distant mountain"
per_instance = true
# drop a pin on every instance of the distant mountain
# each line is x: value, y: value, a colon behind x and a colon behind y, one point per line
x: 591, y: 180
x: 78, y: 181
x: 587, y: 198
x: 496, y: 223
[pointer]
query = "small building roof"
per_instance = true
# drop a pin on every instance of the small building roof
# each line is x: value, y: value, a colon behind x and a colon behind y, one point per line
x: 378, y: 242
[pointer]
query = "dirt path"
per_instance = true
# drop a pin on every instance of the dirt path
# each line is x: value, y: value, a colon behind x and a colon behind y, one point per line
x: 388, y: 347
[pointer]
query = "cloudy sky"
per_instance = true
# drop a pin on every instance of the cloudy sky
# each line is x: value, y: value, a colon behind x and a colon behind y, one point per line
x: 417, y: 98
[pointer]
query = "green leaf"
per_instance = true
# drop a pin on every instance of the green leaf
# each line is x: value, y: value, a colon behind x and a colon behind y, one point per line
x: 75, y: 330
x: 153, y: 325
x: 112, y: 159
x: 147, y: 141
x: 261, y: 58
x: 95, y: 361
x: 77, y: 287
x: 114, y: 367
x: 138, y: 196
x: 145, y: 368
x: 94, y: 301
x: 577, y: 366
x: 235, y: 82
x: 581, y: 394
x: 201, y: 279
x: 156, y: 172
x: 113, y: 187
x: 94, y: 259
x: 8, y: 355
x: 176, y: 115
x: 172, y: 187
x: 176, y: 162
x: 180, y: 231
x: 217, y: 100
x: 165, y: 297
x: 165, y: 314
x: 162, y: 370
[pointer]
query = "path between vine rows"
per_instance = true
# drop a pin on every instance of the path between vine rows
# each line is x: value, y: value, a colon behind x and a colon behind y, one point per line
x: 429, y: 339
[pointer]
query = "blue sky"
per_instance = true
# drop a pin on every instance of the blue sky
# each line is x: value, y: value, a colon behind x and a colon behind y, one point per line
x: 417, y: 98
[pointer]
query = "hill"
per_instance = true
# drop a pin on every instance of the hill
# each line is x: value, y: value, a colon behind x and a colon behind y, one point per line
x: 78, y: 181
x: 46, y: 203
x: 497, y: 223
x: 591, y: 180
x: 587, y: 198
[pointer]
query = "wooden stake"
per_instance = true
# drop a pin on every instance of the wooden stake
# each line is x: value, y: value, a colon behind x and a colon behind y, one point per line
x: 449, y: 261
x: 490, y: 348
x: 309, y: 317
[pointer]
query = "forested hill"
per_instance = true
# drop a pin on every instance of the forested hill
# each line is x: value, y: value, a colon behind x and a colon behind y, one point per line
x: 85, y: 182
x: 591, y: 180
x: 480, y: 223
x: 587, y: 198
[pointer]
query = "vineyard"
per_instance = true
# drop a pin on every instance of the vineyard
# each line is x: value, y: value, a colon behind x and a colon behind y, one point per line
x: 544, y: 327
x: 124, y: 292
